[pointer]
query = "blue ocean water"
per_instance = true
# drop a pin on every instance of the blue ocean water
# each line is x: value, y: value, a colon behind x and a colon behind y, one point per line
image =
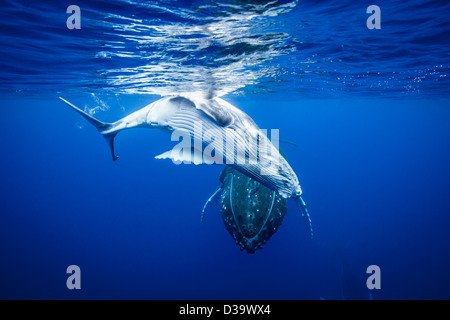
x: 367, y: 110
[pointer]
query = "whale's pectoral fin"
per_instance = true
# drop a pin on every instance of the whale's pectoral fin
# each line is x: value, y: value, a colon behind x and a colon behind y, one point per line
x: 202, y: 218
x: 186, y: 155
x: 101, y: 127
x: 305, y: 215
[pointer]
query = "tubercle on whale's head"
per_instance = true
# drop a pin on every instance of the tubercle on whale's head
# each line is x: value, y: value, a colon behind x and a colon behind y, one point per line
x: 298, y: 193
x: 286, y: 194
x: 296, y: 190
x: 291, y: 188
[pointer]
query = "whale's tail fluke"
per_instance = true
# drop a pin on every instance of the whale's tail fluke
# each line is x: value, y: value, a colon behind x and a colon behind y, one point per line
x: 305, y: 214
x: 101, y: 127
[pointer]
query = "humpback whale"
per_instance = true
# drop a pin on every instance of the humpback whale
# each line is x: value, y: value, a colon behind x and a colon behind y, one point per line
x: 189, y: 114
